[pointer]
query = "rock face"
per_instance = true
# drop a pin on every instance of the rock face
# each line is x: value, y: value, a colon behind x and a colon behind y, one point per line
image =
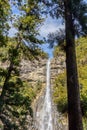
x: 35, y: 71
x: 57, y: 67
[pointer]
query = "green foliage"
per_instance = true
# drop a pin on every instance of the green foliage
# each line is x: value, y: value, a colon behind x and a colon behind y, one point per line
x: 60, y: 91
x: 31, y: 54
x: 58, y: 51
x: 38, y: 86
x: 18, y: 101
x: 77, y: 8
x: 4, y: 14
x: 81, y: 45
x: 19, y: 94
x: 60, y: 94
x: 85, y: 123
x: 28, y: 24
x: 81, y: 51
x: 83, y: 88
x: 19, y: 98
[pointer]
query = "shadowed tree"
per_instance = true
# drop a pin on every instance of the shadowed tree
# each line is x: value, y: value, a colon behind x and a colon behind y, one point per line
x: 73, y: 13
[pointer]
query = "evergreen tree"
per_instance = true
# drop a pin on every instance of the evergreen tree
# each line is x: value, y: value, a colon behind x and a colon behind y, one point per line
x: 74, y: 107
x: 73, y: 13
x: 27, y: 26
x: 13, y: 59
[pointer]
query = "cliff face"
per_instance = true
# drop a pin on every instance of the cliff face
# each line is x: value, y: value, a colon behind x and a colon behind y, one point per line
x: 34, y: 72
x: 57, y: 67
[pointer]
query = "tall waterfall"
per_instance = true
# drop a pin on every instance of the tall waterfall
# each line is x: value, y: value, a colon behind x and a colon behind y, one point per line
x: 45, y: 114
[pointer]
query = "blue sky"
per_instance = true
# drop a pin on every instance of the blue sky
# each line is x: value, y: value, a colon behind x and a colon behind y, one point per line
x: 50, y: 25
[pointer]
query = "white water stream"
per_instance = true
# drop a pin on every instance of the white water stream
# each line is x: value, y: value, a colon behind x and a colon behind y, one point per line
x: 45, y: 115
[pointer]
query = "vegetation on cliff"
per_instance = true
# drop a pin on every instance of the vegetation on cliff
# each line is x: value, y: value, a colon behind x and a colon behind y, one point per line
x: 73, y: 13
x: 18, y: 94
x: 60, y: 89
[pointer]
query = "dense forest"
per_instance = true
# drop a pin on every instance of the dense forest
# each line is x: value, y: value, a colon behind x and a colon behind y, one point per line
x: 16, y: 94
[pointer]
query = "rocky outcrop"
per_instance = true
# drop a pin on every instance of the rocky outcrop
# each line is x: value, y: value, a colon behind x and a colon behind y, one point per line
x: 33, y: 71
x: 57, y: 67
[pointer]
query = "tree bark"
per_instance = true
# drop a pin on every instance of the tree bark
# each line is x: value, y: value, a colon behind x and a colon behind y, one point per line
x: 74, y: 108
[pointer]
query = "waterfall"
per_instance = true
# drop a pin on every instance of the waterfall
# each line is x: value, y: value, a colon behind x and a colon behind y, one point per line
x: 44, y: 116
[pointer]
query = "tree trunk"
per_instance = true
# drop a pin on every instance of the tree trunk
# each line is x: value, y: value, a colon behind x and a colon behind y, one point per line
x: 74, y: 108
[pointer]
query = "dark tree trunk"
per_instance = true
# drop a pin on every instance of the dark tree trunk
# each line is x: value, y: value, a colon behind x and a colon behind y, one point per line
x: 74, y: 108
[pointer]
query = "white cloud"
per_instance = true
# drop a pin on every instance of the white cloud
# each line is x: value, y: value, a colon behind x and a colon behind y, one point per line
x: 12, y: 32
x: 50, y: 25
